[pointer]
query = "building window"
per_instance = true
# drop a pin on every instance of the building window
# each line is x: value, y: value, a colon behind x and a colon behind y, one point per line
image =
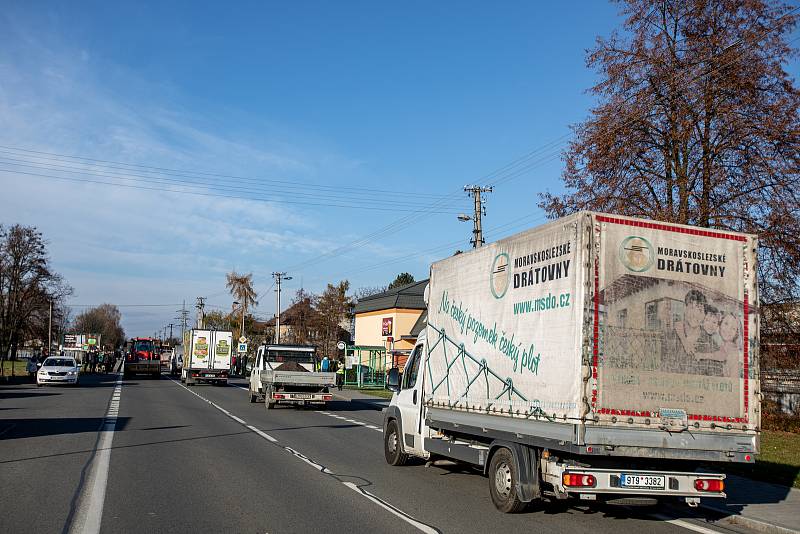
x: 622, y: 318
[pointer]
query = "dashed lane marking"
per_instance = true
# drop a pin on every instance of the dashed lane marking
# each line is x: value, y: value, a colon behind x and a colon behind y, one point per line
x: 428, y: 529
x: 360, y: 423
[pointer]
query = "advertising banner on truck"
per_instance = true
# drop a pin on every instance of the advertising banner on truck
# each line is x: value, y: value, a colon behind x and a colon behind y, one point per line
x: 201, y: 348
x: 672, y: 308
x: 504, y: 325
x: 222, y: 350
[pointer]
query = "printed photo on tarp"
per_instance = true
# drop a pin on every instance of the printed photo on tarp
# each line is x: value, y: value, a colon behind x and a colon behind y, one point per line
x: 671, y: 314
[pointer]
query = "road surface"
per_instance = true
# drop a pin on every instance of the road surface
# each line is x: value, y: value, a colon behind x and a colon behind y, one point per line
x: 144, y: 455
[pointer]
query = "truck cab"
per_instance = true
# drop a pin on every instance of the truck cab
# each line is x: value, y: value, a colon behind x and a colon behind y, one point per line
x: 406, y: 413
x: 141, y: 357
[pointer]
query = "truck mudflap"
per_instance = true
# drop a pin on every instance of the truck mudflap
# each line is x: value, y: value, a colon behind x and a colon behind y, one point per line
x: 588, y: 483
x: 301, y: 397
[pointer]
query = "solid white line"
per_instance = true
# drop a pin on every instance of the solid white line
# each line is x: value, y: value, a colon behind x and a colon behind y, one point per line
x: 685, y: 524
x: 238, y: 420
x: 89, y: 509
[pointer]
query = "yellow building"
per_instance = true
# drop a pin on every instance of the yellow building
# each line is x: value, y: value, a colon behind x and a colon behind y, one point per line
x: 392, y: 319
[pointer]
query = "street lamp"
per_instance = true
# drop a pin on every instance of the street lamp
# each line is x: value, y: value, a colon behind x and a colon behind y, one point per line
x: 463, y: 217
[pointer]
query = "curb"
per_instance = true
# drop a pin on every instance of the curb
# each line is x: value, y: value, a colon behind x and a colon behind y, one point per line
x: 749, y: 522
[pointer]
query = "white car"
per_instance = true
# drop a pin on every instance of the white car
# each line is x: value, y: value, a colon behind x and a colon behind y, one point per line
x: 58, y: 370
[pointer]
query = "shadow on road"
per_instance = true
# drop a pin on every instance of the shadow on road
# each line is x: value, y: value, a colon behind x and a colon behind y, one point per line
x: 357, y: 405
x: 22, y: 393
x: 135, y: 445
x: 31, y: 428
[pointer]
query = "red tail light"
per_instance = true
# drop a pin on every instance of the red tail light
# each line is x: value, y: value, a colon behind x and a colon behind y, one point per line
x: 578, y: 480
x: 278, y: 396
x: 713, y: 485
x: 327, y: 397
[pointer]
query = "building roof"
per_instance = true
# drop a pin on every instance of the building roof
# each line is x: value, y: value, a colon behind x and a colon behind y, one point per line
x: 420, y: 324
x: 294, y: 313
x: 408, y: 296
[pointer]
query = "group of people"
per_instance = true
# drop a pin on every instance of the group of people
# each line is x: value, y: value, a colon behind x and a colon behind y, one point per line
x: 95, y: 361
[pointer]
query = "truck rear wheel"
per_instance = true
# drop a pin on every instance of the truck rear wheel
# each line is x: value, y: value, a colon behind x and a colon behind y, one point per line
x: 270, y: 404
x: 392, y: 448
x: 251, y: 395
x: 503, y: 479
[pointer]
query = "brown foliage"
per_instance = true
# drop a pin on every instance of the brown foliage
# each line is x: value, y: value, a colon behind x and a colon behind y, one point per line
x: 696, y: 123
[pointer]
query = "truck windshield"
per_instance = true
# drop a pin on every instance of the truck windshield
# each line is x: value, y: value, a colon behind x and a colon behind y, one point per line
x: 289, y: 356
x: 143, y: 346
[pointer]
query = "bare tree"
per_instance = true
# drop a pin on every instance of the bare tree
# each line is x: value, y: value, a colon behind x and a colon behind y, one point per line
x: 28, y: 286
x: 696, y: 123
x: 105, y: 320
x: 333, y: 308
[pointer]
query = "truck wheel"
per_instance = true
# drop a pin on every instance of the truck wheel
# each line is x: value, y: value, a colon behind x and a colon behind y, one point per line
x: 252, y: 397
x: 270, y: 404
x: 503, y: 478
x: 392, y: 448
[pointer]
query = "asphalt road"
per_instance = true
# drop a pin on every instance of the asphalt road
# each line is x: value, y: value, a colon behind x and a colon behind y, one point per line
x: 159, y: 457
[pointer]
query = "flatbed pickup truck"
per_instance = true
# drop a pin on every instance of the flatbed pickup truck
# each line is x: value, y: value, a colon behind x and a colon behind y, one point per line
x: 287, y: 374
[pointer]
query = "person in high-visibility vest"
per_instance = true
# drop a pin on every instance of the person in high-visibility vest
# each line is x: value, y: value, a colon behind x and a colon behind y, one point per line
x: 339, y: 375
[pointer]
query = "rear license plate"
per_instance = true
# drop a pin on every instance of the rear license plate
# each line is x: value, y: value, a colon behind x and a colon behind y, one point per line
x: 209, y: 375
x: 643, y: 481
x: 301, y: 396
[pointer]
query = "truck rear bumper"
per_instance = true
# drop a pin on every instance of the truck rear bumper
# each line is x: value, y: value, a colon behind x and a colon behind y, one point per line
x: 301, y: 398
x: 567, y: 479
x: 208, y: 375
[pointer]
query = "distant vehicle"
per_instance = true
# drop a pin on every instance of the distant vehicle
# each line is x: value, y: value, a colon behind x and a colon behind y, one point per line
x: 142, y: 358
x: 58, y: 370
x: 207, y: 357
x: 287, y: 374
x: 167, y: 353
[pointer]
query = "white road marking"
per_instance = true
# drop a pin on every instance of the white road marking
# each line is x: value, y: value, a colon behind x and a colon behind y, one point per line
x: 321, y: 468
x: 388, y: 507
x: 360, y: 423
x: 89, y: 509
x: 685, y: 524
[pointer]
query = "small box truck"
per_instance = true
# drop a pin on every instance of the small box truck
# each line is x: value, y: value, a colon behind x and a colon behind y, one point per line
x: 598, y: 356
x: 207, y: 356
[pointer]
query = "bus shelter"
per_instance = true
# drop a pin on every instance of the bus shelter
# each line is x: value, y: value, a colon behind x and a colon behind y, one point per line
x: 365, y: 366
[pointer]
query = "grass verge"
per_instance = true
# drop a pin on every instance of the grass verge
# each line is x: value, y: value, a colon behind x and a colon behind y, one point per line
x: 19, y: 368
x: 779, y: 461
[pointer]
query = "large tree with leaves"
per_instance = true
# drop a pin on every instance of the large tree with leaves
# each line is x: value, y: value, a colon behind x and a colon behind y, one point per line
x: 696, y: 122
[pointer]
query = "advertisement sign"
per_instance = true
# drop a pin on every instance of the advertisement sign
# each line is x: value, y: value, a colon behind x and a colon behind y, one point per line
x: 672, y: 324
x: 508, y: 313
x: 386, y: 326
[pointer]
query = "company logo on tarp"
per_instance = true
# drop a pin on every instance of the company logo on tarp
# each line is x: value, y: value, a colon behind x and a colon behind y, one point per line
x: 636, y: 253
x: 201, y: 347
x: 223, y: 349
x: 499, y: 279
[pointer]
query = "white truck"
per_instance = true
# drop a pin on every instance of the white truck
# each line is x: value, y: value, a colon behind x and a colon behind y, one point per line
x: 207, y: 356
x: 288, y: 374
x: 598, y: 356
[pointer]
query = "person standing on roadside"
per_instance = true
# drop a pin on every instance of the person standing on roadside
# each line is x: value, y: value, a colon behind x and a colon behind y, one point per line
x: 339, y: 375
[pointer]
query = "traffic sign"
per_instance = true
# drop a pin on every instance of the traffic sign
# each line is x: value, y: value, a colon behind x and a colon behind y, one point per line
x: 340, y: 345
x: 242, y: 339
x: 242, y: 347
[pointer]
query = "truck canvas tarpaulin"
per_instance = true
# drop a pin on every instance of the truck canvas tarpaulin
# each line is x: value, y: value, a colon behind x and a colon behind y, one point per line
x: 596, y: 318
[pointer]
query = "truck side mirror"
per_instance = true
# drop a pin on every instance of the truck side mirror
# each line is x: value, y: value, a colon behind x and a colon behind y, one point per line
x: 393, y: 380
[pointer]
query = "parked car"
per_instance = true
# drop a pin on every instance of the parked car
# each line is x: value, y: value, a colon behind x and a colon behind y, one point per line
x: 58, y: 370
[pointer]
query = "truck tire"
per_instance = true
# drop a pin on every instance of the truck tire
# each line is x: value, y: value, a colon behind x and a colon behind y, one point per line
x: 392, y: 446
x: 270, y: 404
x: 503, y: 479
x: 253, y: 398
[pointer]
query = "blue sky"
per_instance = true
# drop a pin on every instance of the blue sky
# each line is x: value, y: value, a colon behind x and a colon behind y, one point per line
x: 363, y: 104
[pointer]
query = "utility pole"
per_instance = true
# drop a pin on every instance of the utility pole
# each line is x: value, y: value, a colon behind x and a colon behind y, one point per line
x: 184, y: 320
x: 50, y: 329
x: 278, y: 278
x: 477, y: 230
x: 201, y: 318
x: 170, y: 330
